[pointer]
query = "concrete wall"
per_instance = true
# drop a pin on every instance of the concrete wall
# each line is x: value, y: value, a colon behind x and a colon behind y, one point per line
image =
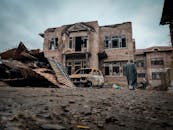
x: 117, y: 54
x: 141, y: 69
x: 57, y: 53
x: 149, y: 68
x: 157, y: 68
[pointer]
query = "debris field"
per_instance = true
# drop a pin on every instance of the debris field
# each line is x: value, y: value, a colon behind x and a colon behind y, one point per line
x: 26, y: 108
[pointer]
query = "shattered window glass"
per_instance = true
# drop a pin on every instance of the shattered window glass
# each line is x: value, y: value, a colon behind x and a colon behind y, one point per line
x: 71, y: 43
x: 118, y: 41
x: 141, y: 75
x: 139, y: 63
x: 156, y: 75
x: 116, y: 70
x: 115, y: 43
x: 123, y: 41
x: 53, y: 44
x: 157, y: 61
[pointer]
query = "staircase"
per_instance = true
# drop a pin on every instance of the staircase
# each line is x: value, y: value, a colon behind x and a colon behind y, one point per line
x: 60, y: 73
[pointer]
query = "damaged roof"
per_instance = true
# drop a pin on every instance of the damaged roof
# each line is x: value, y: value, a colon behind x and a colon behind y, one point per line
x: 21, y: 53
x: 84, y: 24
x: 152, y: 49
x: 115, y: 25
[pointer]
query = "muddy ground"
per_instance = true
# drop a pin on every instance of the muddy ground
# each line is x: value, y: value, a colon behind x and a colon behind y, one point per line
x: 84, y: 108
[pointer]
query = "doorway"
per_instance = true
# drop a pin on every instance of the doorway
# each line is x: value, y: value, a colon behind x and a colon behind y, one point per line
x: 78, y: 43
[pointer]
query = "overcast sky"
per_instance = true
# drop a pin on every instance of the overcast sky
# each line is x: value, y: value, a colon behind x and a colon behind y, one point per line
x: 23, y: 20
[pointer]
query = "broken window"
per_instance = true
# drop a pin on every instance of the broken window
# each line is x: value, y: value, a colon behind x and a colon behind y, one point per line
x: 116, y: 70
x: 53, y: 44
x: 106, y: 70
x: 141, y: 75
x: 123, y: 41
x: 156, y: 75
x: 84, y: 39
x: 106, y: 42
x: 71, y: 43
x: 69, y: 70
x: 115, y: 41
x: 78, y: 43
x: 139, y: 63
x: 157, y: 61
x: 75, y: 64
x: 56, y: 43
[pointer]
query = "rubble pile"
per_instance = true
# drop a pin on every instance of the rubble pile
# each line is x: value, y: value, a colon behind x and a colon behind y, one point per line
x: 22, y: 67
x: 85, y: 109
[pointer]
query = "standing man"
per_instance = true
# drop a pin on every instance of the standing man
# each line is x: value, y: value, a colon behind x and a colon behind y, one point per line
x: 131, y: 74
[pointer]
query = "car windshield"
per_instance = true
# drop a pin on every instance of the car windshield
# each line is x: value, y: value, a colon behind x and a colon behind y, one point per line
x: 84, y: 71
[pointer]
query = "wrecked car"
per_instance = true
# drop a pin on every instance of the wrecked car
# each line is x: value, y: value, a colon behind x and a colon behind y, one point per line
x: 88, y: 77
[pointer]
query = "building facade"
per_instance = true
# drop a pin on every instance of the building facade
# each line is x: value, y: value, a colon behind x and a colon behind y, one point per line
x: 86, y: 44
x: 150, y: 62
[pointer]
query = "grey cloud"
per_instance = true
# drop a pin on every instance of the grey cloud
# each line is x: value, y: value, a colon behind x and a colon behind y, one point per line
x: 22, y: 20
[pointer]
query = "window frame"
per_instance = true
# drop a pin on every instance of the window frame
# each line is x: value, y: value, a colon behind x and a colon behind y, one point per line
x: 53, y: 43
x: 155, y: 74
x: 141, y: 75
x: 159, y: 61
x: 109, y: 42
x: 138, y: 62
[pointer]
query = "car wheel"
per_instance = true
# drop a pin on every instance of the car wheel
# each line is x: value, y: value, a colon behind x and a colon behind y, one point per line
x: 100, y: 86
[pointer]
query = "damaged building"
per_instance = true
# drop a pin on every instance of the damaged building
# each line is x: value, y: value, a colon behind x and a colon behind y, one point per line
x: 22, y: 67
x: 152, y: 62
x: 88, y: 45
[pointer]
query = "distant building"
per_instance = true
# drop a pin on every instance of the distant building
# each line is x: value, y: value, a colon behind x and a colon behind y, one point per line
x: 108, y: 48
x: 151, y: 62
x: 86, y: 44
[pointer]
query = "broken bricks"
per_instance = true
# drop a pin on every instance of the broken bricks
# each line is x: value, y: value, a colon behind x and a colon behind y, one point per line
x: 21, y: 67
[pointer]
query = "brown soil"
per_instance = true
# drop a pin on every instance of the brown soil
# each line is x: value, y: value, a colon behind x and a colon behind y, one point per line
x: 84, y: 108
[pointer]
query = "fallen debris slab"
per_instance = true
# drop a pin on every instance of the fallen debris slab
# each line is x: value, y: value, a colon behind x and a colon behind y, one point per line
x: 21, y: 67
x: 19, y: 74
x: 47, y: 75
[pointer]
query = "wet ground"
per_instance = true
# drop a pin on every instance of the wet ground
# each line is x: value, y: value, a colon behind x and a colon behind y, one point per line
x: 85, y: 108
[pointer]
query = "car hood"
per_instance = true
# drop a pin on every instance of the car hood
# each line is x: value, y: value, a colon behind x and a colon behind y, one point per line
x: 78, y: 75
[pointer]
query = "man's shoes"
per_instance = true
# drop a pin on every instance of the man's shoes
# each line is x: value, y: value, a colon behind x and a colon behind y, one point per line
x: 131, y: 87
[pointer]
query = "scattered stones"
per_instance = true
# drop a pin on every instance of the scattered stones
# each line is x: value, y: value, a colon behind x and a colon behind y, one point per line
x: 100, y: 124
x: 51, y: 100
x: 46, y: 108
x: 64, y: 108
x: 71, y: 102
x: 52, y: 91
x: 98, y: 109
x: 110, y: 119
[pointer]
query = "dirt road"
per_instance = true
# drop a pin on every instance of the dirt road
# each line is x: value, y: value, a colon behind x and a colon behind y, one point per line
x: 85, y: 108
